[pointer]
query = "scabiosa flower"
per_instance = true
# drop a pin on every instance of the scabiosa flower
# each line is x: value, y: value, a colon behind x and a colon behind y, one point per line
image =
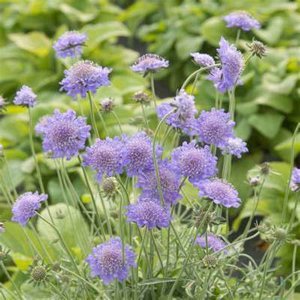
x: 242, y: 20
x: 64, y: 134
x: 105, y: 157
x: 235, y: 146
x: 184, y: 115
x: 169, y: 177
x: 214, y: 242
x: 232, y: 63
x: 148, y: 213
x: 26, y: 206
x: 295, y: 180
x: 193, y: 162
x: 137, y: 153
x: 202, y: 59
x: 215, y: 127
x: 83, y: 77
x: 25, y: 96
x: 107, y: 262
x: 219, y: 191
x: 70, y: 44
x: 149, y: 63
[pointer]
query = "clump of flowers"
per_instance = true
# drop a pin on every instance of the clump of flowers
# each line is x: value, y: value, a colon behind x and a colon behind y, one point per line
x: 203, y: 59
x: 25, y: 97
x: 149, y: 213
x: 70, y: 44
x: 83, y: 77
x: 211, y: 241
x: 149, y: 63
x: 234, y: 146
x: 26, y: 207
x: 64, y: 134
x: 108, y: 262
x: 241, y: 20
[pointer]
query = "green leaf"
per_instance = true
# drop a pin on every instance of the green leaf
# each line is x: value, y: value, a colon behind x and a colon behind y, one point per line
x: 267, y: 124
x: 187, y: 45
x: 279, y: 102
x: 34, y: 42
x: 284, y: 148
x: 278, y: 85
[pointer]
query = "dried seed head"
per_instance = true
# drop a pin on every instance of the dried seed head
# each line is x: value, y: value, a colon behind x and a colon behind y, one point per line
x: 265, y: 169
x: 38, y: 274
x: 109, y: 186
x: 141, y: 97
x: 210, y: 261
x: 280, y: 234
x: 258, y: 49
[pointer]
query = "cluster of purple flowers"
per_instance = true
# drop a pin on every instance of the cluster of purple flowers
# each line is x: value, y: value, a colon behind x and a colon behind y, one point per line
x: 211, y: 242
x: 25, y: 97
x: 241, y: 20
x: 149, y: 63
x: 295, y: 180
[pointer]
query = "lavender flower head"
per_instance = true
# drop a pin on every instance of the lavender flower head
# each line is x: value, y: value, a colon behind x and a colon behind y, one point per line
x: 148, y: 213
x: 295, y: 180
x: 241, y: 20
x: 25, y: 97
x: 184, y: 115
x: 213, y: 242
x: 149, y: 63
x: 235, y: 146
x: 137, y: 153
x: 219, y: 191
x: 64, y: 134
x: 215, y: 127
x: 202, y: 59
x: 105, y: 157
x: 70, y: 44
x: 26, y: 206
x: 83, y: 77
x: 232, y: 63
x: 106, y: 261
x: 194, y: 162
x: 169, y: 177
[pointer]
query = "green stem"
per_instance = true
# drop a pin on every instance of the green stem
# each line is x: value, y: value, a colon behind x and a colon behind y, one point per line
x: 145, y: 116
x: 94, y: 124
x: 294, y: 269
x: 118, y: 121
x: 153, y: 89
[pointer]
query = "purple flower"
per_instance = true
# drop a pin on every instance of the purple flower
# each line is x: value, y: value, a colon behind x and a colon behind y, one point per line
x: 232, y: 63
x: 26, y: 206
x: 214, y: 242
x: 242, y: 20
x: 215, y: 127
x: 105, y: 157
x: 194, y: 162
x: 107, y: 262
x: 203, y: 60
x: 64, y: 134
x: 295, y: 180
x: 219, y: 191
x: 148, y: 213
x: 184, y: 115
x: 83, y: 77
x: 25, y: 96
x: 70, y: 44
x: 169, y: 177
x: 149, y: 63
x: 235, y: 146
x: 137, y: 153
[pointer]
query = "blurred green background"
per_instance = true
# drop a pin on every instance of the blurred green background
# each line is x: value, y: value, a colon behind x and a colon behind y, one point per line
x: 118, y: 31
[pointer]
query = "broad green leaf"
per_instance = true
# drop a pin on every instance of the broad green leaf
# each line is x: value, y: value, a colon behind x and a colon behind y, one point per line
x: 267, y: 124
x: 187, y: 45
x: 280, y: 86
x: 33, y: 42
x: 285, y: 147
x: 279, y: 102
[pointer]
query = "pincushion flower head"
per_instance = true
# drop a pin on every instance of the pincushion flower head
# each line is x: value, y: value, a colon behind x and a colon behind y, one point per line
x: 235, y: 146
x: 203, y: 59
x: 183, y: 116
x: 137, y: 153
x: 214, y: 242
x: 26, y: 207
x: 83, y: 77
x: 107, y: 262
x: 194, y: 162
x: 228, y: 75
x: 241, y: 20
x: 105, y: 157
x: 169, y: 178
x: 215, y: 127
x: 70, y: 44
x: 64, y: 134
x: 295, y: 180
x: 149, y: 213
x: 219, y: 191
x: 25, y: 97
x: 149, y: 63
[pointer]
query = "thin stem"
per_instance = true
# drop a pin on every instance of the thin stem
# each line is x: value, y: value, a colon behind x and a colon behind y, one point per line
x: 157, y: 251
x: 94, y: 124
x: 294, y: 269
x: 153, y: 89
x: 145, y: 116
x: 118, y: 121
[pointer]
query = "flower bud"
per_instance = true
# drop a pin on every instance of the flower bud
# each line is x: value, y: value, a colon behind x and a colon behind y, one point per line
x: 107, y: 105
x: 141, y: 97
x: 210, y: 261
x: 258, y: 49
x: 110, y: 186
